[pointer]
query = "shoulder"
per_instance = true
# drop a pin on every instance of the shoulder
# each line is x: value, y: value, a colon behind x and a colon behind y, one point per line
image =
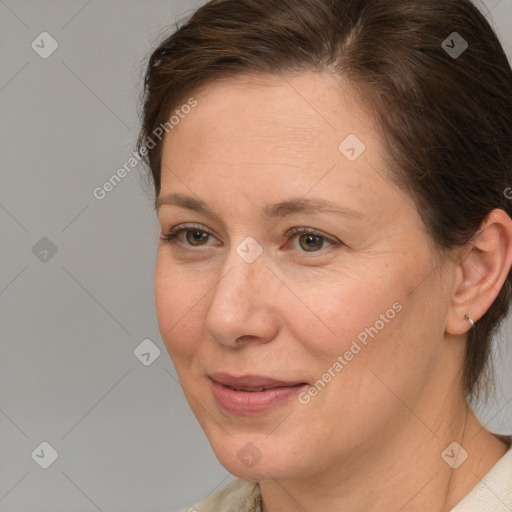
x: 237, y: 496
x: 494, y: 492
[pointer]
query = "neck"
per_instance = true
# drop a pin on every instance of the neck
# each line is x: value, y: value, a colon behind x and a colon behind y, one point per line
x: 400, y: 469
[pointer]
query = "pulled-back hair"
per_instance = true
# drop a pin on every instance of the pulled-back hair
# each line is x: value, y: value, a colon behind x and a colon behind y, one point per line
x: 445, y: 116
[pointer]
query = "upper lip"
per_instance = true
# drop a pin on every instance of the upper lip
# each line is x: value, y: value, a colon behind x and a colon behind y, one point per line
x: 251, y: 381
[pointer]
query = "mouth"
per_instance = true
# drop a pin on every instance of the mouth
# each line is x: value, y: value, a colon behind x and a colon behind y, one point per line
x: 251, y: 394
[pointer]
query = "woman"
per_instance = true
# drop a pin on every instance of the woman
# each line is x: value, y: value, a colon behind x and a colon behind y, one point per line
x: 336, y: 247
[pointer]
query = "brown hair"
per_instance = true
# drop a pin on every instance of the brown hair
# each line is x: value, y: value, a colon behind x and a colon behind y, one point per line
x: 446, y: 119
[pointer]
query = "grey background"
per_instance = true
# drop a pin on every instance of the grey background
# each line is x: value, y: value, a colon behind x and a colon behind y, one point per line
x: 125, y: 437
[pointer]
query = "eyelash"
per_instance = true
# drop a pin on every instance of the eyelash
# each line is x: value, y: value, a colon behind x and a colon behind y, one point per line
x: 171, y: 237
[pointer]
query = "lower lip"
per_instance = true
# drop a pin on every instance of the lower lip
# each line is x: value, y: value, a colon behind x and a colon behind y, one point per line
x: 249, y: 403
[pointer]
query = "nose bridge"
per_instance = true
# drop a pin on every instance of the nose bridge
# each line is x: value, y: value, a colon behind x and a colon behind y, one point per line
x: 238, y: 285
x: 239, y: 304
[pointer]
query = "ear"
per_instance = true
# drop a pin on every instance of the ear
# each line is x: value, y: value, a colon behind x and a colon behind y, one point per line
x: 481, y: 272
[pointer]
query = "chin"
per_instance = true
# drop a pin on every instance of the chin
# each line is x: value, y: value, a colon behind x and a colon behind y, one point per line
x: 261, y: 470
x: 259, y: 457
x: 245, y: 473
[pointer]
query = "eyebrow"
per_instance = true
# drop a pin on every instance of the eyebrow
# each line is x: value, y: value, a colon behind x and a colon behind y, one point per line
x: 294, y: 205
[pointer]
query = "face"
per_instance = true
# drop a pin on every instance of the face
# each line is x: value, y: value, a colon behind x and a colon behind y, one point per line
x: 326, y: 319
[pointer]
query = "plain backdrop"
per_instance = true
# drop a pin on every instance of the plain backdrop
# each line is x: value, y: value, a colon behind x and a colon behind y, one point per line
x: 76, y: 273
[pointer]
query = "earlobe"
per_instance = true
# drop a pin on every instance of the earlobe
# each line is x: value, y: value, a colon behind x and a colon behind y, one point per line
x: 481, y: 272
x: 470, y: 320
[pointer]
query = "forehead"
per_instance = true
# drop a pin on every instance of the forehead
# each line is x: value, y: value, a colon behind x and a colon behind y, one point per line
x: 294, y: 107
x: 265, y: 139
x: 261, y: 122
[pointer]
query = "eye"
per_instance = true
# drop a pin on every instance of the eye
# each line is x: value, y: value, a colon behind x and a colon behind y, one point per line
x: 311, y: 240
x: 194, y: 236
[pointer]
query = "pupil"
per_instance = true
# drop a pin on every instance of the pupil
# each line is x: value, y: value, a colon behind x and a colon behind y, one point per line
x: 311, y: 238
x: 197, y: 236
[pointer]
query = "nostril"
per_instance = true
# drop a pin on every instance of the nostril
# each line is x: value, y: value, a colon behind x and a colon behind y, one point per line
x: 247, y: 337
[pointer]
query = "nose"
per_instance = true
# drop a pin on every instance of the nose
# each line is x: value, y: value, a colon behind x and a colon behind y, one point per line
x: 243, y: 306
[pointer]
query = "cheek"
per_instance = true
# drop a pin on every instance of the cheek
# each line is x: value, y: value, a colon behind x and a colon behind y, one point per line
x: 353, y: 306
x: 178, y: 300
x: 382, y: 357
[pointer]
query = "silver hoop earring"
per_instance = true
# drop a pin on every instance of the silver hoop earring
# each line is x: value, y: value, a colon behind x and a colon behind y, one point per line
x: 470, y: 320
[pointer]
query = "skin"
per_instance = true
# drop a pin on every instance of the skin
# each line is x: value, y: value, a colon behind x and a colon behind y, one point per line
x: 372, y: 438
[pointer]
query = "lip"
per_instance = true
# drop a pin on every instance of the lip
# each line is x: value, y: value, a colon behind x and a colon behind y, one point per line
x: 242, y: 396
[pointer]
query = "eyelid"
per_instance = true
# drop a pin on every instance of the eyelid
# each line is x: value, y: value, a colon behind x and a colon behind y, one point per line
x: 171, y: 235
x: 289, y: 234
x: 312, y: 231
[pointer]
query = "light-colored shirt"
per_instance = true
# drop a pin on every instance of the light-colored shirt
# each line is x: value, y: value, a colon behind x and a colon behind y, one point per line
x: 492, y: 494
